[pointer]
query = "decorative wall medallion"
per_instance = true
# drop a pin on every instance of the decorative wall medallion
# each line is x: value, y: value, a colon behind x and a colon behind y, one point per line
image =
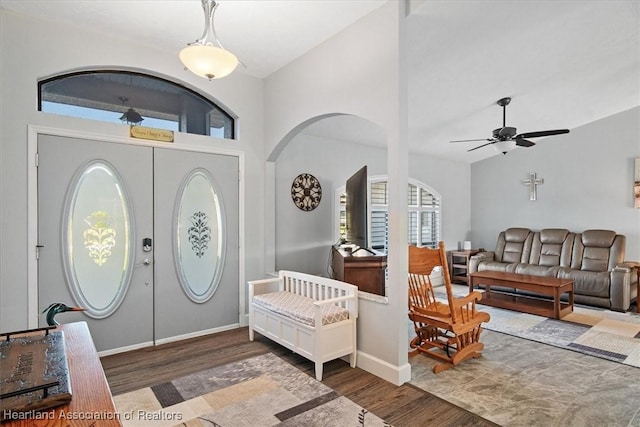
x: 306, y: 192
x: 199, y: 233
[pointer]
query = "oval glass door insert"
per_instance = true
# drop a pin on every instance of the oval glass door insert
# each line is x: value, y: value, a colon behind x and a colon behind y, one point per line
x: 97, y: 239
x: 199, y: 236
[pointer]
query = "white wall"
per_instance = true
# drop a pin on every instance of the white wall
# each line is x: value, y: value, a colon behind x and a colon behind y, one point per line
x: 54, y: 49
x: 361, y: 72
x: 303, y: 238
x: 354, y: 72
x: 588, y: 184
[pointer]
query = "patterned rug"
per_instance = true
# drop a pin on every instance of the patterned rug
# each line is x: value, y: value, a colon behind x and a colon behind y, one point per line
x: 260, y: 391
x: 597, y: 332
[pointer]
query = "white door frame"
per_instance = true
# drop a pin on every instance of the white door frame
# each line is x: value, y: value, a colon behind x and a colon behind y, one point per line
x: 32, y: 205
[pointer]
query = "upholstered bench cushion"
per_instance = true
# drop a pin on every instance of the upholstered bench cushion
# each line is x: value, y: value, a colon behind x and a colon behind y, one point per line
x: 299, y: 308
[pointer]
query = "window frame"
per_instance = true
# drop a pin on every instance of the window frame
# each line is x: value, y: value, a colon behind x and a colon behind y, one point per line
x: 181, y: 119
x: 340, y: 211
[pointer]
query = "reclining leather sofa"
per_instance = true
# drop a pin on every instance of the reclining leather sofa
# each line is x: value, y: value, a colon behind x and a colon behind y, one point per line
x: 594, y: 259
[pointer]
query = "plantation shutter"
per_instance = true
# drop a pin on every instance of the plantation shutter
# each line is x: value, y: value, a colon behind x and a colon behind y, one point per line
x: 379, y: 216
x: 343, y: 216
x: 423, y: 221
x: 430, y: 219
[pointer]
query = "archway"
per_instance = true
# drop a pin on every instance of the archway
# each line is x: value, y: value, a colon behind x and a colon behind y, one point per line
x: 330, y: 147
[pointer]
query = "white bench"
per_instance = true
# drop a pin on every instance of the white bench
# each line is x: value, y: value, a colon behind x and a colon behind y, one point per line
x: 310, y: 315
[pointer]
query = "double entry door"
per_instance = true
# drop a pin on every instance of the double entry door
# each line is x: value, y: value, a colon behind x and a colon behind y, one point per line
x: 145, y: 239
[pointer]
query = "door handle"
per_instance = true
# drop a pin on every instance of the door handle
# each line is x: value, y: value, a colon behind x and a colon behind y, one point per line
x: 145, y: 262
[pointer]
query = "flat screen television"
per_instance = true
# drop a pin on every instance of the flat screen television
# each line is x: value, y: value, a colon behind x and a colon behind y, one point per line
x: 357, y: 217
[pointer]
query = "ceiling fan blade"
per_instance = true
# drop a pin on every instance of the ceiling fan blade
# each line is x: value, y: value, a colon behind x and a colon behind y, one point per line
x: 483, y: 145
x: 542, y: 133
x: 472, y: 140
x: 524, y: 143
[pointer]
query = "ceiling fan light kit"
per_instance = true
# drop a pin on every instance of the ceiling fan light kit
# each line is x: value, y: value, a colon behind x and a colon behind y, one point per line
x: 206, y: 57
x: 504, y: 146
x: 506, y: 138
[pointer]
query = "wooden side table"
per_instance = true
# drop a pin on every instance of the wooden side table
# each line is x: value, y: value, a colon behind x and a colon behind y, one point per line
x: 637, y: 266
x: 459, y: 265
x: 91, y: 404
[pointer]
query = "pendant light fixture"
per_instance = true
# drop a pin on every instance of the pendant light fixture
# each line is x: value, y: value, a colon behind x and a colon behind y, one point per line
x: 131, y: 116
x: 206, y: 57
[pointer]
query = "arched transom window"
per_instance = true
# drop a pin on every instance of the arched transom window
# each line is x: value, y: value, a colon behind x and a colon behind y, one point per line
x: 111, y: 95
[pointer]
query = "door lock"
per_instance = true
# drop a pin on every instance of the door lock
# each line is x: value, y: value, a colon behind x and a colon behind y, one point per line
x: 146, y: 244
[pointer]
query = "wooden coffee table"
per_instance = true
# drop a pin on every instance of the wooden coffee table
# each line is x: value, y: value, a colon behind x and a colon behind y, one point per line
x: 540, y: 285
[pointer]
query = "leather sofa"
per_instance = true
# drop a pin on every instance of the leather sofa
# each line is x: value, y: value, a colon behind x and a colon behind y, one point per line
x: 594, y: 259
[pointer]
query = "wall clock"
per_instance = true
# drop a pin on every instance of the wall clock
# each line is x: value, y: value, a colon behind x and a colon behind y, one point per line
x: 306, y: 192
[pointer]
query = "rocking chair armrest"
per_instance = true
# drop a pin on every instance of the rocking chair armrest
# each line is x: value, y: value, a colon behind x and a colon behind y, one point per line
x: 429, y: 313
x: 466, y: 326
x: 474, y: 296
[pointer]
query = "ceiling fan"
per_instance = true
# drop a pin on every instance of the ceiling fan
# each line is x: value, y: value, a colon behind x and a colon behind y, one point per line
x: 505, y: 133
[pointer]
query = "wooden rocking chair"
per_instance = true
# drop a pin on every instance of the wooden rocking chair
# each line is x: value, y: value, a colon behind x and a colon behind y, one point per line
x: 447, y: 332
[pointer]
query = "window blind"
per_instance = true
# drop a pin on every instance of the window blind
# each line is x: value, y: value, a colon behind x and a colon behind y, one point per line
x: 423, y: 221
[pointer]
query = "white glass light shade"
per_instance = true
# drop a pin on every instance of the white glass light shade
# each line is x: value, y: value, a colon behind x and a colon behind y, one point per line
x: 208, y: 61
x: 504, y: 146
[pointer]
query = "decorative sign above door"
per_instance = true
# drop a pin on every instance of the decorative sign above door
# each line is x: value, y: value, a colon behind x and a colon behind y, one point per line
x: 142, y: 132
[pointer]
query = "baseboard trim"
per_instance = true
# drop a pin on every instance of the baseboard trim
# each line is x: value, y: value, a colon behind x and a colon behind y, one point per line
x: 168, y: 340
x: 196, y: 334
x: 396, y: 375
x: 124, y: 349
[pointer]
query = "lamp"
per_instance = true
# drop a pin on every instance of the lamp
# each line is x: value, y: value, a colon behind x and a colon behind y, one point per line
x: 504, y: 146
x: 206, y: 57
x: 130, y: 116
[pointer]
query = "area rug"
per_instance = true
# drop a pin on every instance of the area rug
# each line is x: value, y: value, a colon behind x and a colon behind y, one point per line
x: 260, y: 391
x: 523, y: 383
x: 596, y: 332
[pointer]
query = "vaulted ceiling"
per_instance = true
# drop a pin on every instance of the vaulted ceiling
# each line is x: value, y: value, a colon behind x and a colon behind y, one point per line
x: 564, y: 63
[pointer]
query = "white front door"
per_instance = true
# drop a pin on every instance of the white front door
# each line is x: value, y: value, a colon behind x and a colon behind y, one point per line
x: 95, y: 205
x: 196, y: 249
x: 146, y: 239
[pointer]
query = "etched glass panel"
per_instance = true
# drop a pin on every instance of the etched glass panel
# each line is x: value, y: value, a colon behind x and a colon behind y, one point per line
x: 98, y: 239
x: 199, y: 245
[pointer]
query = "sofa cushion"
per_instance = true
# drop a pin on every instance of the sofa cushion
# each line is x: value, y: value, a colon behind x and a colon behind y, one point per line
x: 299, y: 308
x: 549, y: 248
x: 595, y: 259
x: 590, y: 283
x: 514, y: 245
x: 555, y: 236
x: 598, y: 238
x: 497, y: 266
x: 537, y: 270
x: 597, y: 250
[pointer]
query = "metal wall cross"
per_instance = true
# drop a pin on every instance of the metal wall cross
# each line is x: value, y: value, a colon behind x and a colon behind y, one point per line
x: 533, y: 182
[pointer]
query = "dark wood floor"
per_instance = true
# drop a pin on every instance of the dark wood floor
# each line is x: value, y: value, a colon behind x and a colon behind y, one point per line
x: 401, y: 406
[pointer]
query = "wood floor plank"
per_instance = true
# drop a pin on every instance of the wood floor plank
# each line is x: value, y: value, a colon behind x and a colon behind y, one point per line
x: 405, y: 405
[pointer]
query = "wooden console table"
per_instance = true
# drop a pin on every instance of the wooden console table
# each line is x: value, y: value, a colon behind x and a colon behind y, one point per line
x: 361, y: 268
x: 545, y: 286
x: 91, y: 404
